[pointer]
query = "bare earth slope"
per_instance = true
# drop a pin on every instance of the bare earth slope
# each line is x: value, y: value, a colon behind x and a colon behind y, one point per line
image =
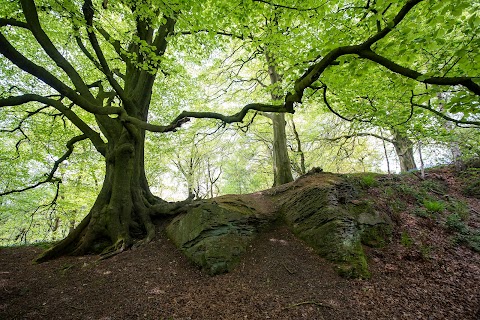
x: 421, y: 274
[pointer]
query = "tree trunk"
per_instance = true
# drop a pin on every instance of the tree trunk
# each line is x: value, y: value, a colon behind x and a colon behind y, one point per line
x: 121, y: 212
x: 282, y: 172
x: 404, y: 149
x: 301, y: 168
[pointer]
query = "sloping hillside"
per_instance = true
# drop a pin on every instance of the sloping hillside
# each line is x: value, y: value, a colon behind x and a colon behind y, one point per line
x: 428, y: 266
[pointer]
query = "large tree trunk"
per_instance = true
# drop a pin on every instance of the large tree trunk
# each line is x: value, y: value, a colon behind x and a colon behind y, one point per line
x: 404, y: 149
x: 121, y: 212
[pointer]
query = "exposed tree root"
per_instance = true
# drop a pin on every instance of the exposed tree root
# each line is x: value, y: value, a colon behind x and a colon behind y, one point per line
x: 112, y: 251
x: 123, y: 225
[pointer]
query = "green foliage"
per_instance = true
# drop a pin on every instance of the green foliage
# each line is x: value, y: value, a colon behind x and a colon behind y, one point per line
x: 473, y: 189
x: 459, y: 208
x: 434, y: 186
x: 463, y: 234
x: 406, y: 240
x: 434, y: 206
x: 456, y: 223
x: 421, y: 212
x: 368, y: 180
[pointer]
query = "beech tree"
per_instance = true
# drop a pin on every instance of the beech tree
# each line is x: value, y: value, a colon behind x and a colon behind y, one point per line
x: 96, y: 63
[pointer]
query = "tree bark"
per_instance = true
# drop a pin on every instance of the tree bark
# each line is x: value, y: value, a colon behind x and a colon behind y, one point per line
x: 404, y: 149
x: 302, y: 168
x: 282, y: 172
x: 122, y: 211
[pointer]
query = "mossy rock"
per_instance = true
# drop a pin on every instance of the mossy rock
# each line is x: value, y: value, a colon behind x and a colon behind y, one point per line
x: 214, y: 236
x: 335, y: 224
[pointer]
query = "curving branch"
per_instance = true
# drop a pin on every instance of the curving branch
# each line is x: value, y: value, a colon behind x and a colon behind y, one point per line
x: 87, y: 53
x: 275, y: 5
x: 364, y: 50
x: 50, y: 176
x: 117, y: 46
x: 412, y: 74
x: 91, y: 134
x: 18, y: 59
x: 31, y: 15
x: 220, y: 33
x: 325, y: 100
x: 442, y: 115
x: 186, y: 115
x: 13, y: 22
x: 88, y: 12
x: 361, y: 134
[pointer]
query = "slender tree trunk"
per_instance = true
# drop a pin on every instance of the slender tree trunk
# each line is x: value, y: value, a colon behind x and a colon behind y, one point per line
x: 299, y: 150
x: 404, y: 149
x: 282, y: 172
x: 281, y: 160
x: 385, y: 151
x: 422, y: 166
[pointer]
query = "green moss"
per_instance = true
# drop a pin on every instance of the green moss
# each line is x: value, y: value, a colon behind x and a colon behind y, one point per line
x: 433, y: 186
x: 460, y: 208
x: 339, y: 242
x: 421, y: 212
x: 368, y: 180
x: 213, y: 237
x: 376, y: 236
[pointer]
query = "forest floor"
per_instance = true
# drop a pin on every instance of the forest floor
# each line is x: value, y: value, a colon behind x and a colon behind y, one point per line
x: 421, y: 274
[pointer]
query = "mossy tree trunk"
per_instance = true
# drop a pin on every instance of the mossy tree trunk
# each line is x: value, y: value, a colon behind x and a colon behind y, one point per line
x: 122, y: 211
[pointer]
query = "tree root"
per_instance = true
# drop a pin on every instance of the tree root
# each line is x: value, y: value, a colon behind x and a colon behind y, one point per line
x: 119, y: 247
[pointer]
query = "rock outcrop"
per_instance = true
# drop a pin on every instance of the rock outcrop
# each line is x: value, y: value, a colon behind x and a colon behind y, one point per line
x: 324, y: 210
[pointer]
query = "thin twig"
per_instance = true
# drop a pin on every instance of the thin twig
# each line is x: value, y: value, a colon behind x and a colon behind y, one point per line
x: 318, y: 304
x: 286, y: 268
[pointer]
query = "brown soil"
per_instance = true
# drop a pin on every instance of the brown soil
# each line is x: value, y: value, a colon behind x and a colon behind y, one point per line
x: 279, y: 278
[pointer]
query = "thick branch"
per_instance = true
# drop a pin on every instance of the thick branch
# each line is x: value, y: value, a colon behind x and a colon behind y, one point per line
x: 30, y: 12
x: 88, y: 12
x: 91, y: 134
x: 12, y: 54
x: 186, y: 115
x: 50, y: 176
x: 12, y: 22
x: 363, y: 50
x: 409, y: 73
